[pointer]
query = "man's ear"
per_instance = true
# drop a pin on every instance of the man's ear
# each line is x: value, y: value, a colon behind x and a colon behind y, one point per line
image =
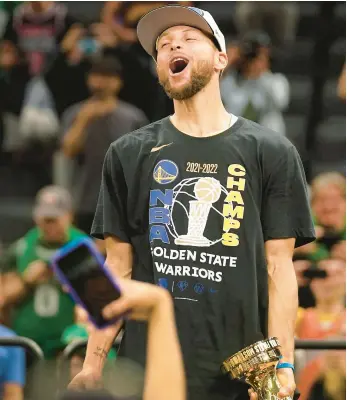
x: 221, y: 62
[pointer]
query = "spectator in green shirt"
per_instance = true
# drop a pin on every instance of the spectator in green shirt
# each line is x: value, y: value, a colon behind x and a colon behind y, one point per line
x: 41, y: 309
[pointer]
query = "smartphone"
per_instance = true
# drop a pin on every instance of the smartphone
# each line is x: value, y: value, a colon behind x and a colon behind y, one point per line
x: 315, y: 273
x: 80, y: 267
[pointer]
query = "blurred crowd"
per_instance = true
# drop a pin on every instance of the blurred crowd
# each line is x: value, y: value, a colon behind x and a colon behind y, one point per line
x: 44, y: 51
x: 321, y: 273
x: 73, y: 88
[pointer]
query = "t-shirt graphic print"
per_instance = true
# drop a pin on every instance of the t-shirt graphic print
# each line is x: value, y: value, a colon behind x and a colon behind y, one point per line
x: 194, y: 219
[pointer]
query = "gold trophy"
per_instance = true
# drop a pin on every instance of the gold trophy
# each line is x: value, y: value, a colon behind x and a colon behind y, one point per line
x: 256, y: 364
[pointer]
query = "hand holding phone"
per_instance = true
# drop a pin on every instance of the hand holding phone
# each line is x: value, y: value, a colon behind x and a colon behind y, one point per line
x: 139, y: 301
x: 88, y: 45
x: 80, y: 267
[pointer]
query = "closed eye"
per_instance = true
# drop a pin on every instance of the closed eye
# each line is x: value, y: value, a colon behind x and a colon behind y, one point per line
x: 164, y: 44
x: 190, y: 39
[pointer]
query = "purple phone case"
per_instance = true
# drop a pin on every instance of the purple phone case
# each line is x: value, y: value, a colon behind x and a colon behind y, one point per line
x: 65, y: 250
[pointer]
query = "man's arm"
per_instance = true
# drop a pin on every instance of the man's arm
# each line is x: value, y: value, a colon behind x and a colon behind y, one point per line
x: 283, y: 294
x: 13, y: 288
x: 14, y: 375
x: 109, y: 224
x: 17, y: 287
x: 341, y: 86
x: 286, y: 222
x: 73, y: 140
x: 119, y: 260
x: 110, y: 17
x: 165, y: 376
x: 283, y: 306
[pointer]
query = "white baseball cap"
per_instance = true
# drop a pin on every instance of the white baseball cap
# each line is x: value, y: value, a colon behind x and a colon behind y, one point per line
x: 52, y: 201
x: 154, y: 23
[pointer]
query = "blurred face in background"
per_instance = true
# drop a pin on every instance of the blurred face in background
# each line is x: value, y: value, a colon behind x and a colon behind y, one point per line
x: 103, y: 86
x: 331, y: 289
x: 54, y: 229
x: 255, y: 67
x: 40, y: 6
x: 8, y: 55
x: 329, y: 205
x: 186, y: 61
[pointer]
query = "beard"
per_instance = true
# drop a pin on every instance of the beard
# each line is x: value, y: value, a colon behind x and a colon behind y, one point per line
x: 201, y: 76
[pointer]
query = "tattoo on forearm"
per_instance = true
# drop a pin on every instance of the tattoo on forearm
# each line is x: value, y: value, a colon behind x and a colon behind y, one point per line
x: 100, y: 352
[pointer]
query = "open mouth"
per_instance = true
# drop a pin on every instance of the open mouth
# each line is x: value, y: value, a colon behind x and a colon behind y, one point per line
x: 177, y: 65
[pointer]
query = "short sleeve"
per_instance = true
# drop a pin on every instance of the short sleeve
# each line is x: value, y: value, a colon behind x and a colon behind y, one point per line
x: 285, y: 206
x: 110, y: 215
x: 15, y: 371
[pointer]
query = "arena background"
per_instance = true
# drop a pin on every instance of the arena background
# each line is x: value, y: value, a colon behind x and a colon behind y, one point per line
x: 311, y: 57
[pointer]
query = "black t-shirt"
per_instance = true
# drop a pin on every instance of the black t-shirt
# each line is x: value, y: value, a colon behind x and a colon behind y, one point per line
x: 197, y: 212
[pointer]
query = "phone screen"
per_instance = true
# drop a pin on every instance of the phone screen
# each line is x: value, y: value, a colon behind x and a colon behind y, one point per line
x: 88, y: 45
x: 88, y: 279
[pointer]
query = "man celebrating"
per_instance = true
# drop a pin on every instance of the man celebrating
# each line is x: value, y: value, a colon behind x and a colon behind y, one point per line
x: 207, y: 205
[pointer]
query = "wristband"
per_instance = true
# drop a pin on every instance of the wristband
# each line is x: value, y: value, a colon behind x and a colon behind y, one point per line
x: 281, y: 365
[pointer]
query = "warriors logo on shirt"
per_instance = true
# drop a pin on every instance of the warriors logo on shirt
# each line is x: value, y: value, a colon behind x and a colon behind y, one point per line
x: 165, y: 172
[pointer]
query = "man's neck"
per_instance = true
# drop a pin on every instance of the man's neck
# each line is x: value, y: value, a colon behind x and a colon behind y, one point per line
x: 202, y: 115
x: 57, y: 241
x: 329, y: 307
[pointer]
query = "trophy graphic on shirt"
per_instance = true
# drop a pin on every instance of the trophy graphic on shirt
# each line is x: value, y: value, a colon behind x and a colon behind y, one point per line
x: 207, y: 191
x: 256, y: 364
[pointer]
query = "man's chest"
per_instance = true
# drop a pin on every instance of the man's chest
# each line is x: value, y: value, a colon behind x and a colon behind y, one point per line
x: 201, y: 208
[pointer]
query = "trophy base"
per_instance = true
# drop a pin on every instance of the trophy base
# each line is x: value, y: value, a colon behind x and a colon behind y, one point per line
x: 196, y: 241
x: 256, y: 364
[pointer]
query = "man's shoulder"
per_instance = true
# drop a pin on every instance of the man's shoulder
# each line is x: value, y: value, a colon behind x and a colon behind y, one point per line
x: 264, y: 137
x: 73, y: 109
x: 140, y: 140
x: 75, y: 106
x: 76, y: 233
x: 30, y: 237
